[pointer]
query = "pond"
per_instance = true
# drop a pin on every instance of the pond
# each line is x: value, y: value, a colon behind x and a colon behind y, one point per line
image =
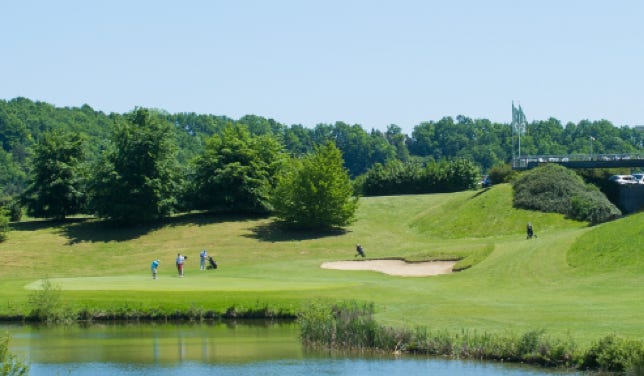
x: 255, y: 348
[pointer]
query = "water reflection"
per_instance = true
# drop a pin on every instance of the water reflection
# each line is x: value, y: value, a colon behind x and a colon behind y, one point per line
x: 157, y: 343
x: 230, y: 348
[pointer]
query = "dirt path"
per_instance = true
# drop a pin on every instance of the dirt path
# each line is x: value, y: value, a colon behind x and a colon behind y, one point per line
x: 395, y: 267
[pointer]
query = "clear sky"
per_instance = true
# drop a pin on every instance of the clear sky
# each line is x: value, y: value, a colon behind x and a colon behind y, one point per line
x: 372, y: 63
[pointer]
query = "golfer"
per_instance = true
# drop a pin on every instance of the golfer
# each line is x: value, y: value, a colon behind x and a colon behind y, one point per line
x: 203, y: 256
x: 359, y: 250
x: 180, y: 260
x: 154, y: 267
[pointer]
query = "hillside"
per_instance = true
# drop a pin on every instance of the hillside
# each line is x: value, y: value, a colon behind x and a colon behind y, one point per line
x: 573, y: 280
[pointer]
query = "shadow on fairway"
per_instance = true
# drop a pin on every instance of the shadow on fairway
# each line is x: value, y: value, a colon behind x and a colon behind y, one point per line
x: 100, y: 231
x: 104, y: 231
x: 479, y: 192
x: 278, y: 232
x: 35, y: 225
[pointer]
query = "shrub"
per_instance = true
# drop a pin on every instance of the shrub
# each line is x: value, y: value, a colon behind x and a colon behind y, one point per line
x: 555, y: 189
x: 637, y: 366
x: 592, y: 206
x: 502, y: 174
x: 613, y: 354
x: 396, y: 177
x: 4, y: 224
x: 46, y: 303
x: 10, y: 365
x: 13, y: 207
x: 345, y: 325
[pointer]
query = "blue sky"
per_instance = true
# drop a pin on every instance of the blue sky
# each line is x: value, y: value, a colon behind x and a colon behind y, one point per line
x: 371, y: 63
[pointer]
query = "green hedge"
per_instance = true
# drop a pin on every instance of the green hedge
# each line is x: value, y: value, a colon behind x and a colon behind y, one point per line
x: 555, y: 189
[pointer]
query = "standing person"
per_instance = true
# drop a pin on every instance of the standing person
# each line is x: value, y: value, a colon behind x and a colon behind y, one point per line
x: 529, y: 230
x: 154, y: 267
x: 203, y: 256
x: 180, y: 260
x: 359, y: 251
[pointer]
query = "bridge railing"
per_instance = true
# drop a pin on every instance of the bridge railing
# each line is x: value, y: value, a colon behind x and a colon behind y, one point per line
x: 526, y: 161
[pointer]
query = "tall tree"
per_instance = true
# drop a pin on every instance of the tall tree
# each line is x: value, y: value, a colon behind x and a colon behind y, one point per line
x: 236, y: 172
x: 57, y: 186
x: 399, y: 141
x: 316, y: 191
x: 136, y: 179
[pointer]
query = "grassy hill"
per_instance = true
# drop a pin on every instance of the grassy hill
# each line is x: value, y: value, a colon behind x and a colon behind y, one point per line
x: 573, y: 280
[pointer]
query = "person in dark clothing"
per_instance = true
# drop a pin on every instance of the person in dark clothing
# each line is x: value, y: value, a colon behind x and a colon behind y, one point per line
x: 359, y: 250
x: 212, y: 264
x: 530, y: 231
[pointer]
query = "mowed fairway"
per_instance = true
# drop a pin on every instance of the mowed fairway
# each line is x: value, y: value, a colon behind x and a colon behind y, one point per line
x: 573, y: 280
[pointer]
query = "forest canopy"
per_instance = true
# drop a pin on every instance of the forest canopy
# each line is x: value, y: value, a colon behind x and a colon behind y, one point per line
x: 435, y: 155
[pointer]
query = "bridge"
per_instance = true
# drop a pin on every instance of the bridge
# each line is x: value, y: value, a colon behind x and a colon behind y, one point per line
x: 526, y: 162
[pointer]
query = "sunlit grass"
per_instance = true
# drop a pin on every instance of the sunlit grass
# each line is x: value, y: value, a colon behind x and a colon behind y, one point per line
x: 574, y: 280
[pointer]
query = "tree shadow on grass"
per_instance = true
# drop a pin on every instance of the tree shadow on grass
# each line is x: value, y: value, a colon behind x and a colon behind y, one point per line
x: 40, y: 224
x: 279, y: 232
x: 97, y: 231
x: 93, y: 230
x: 480, y: 192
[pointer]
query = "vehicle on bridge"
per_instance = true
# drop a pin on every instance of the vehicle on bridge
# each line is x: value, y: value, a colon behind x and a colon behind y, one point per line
x: 639, y: 176
x: 623, y: 179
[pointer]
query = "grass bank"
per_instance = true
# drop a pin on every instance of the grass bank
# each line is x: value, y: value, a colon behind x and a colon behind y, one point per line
x: 564, y: 282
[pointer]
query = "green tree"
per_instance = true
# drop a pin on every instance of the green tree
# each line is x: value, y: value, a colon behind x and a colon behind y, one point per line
x: 4, y: 224
x: 136, y: 179
x: 315, y: 192
x: 12, y: 177
x: 57, y: 186
x: 399, y: 141
x: 298, y: 139
x: 236, y: 172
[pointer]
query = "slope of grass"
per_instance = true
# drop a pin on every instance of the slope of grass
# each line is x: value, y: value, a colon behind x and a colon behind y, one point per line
x: 488, y: 213
x: 512, y: 284
x: 612, y: 247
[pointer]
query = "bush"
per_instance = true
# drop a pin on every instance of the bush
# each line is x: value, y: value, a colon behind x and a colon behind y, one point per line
x: 13, y: 207
x: 555, y: 189
x: 637, y: 366
x: 4, y: 224
x: 46, y: 304
x: 345, y: 325
x: 396, y: 177
x: 10, y: 365
x: 614, y: 354
x: 502, y: 174
x: 592, y: 206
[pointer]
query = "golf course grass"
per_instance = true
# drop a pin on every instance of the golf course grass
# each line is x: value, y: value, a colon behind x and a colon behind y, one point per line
x: 573, y: 281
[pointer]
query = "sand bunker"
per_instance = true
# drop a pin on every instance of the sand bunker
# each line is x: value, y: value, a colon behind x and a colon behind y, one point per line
x: 395, y: 267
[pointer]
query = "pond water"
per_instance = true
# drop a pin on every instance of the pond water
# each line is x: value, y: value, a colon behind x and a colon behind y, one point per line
x: 256, y: 348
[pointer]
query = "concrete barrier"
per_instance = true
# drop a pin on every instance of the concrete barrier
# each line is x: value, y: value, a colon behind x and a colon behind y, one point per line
x: 631, y: 197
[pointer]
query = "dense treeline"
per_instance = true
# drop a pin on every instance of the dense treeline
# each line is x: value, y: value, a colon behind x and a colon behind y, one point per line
x: 218, y: 163
x: 24, y: 122
x: 136, y: 176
